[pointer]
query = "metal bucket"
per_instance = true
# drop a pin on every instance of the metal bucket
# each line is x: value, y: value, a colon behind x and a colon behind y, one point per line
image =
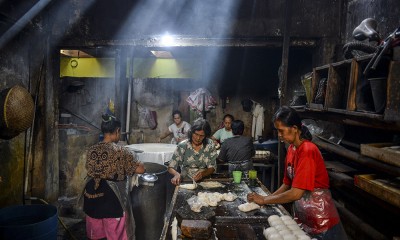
x: 148, y: 201
x: 28, y: 222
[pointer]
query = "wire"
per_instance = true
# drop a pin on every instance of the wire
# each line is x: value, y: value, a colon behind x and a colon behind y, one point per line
x: 77, y: 127
x: 81, y: 118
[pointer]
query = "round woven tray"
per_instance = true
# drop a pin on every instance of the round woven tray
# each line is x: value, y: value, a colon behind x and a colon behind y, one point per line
x: 17, y: 110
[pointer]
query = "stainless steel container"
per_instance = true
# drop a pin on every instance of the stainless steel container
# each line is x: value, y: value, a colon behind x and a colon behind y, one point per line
x: 148, y: 202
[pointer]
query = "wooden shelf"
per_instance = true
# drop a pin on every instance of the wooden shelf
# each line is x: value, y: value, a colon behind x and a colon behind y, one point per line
x: 357, y: 157
x: 392, y: 111
x: 386, y: 189
x: 349, y: 100
x: 363, y: 119
x: 382, y: 152
x: 370, y: 115
x: 348, y: 90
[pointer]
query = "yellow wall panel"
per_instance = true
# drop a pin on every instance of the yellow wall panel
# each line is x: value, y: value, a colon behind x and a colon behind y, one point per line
x: 143, y: 68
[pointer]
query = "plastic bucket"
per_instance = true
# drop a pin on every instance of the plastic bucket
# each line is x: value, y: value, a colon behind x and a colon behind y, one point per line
x: 34, y: 222
x: 378, y: 88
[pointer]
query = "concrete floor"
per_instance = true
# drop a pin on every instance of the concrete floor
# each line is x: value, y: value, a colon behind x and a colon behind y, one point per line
x: 76, y: 229
x: 71, y: 222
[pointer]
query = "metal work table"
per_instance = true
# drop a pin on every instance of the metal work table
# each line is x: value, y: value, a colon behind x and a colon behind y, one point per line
x: 227, y: 220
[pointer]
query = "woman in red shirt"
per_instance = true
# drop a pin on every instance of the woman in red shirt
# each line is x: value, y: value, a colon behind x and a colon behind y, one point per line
x: 305, y: 182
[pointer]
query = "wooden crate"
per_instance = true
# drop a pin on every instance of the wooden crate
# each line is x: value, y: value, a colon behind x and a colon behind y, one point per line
x: 392, y: 111
x: 385, y: 189
x: 381, y: 153
x: 338, y: 85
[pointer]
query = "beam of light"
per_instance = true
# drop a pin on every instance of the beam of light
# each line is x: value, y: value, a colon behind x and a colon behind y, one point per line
x: 150, y: 18
x: 53, y: 14
x: 167, y: 40
x: 189, y: 19
x: 21, y: 23
x: 185, y: 18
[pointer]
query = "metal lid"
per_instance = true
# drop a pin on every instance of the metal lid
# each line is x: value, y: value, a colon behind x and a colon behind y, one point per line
x: 146, y: 177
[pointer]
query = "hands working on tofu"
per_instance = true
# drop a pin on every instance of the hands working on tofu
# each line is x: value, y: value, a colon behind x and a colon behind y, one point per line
x: 196, y: 156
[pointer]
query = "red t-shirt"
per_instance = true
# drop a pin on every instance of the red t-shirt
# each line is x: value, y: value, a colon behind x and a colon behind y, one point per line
x: 305, y: 168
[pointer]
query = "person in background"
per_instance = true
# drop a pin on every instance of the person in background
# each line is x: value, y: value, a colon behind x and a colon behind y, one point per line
x: 196, y: 156
x: 237, y: 150
x: 179, y: 129
x: 106, y: 200
x: 224, y: 133
x: 305, y: 182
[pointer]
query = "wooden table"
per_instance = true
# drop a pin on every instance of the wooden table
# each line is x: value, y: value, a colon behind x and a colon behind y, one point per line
x: 227, y: 220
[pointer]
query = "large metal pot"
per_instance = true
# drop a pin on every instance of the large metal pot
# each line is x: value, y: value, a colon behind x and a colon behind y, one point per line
x: 148, y: 202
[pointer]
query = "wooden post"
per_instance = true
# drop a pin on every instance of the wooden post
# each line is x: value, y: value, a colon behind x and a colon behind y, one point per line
x: 282, y: 85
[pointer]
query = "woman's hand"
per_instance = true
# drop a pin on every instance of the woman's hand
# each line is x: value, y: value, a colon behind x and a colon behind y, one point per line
x: 254, y: 197
x: 176, y: 180
x: 140, y: 168
x: 198, y: 176
x: 217, y: 145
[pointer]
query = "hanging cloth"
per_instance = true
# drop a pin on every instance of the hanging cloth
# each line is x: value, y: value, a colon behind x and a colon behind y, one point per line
x: 195, y: 100
x: 147, y: 118
x: 258, y: 121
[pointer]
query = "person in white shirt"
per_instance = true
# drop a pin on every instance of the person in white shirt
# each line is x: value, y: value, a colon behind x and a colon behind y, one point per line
x: 179, y: 129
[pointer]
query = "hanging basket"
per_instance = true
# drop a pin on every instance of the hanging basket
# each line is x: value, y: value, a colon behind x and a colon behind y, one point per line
x: 17, y: 110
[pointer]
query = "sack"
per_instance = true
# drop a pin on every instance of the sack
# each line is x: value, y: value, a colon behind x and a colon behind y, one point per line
x: 147, y: 118
x: 195, y: 100
x: 152, y: 121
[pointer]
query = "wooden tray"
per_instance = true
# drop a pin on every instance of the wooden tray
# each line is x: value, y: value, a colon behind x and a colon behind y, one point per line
x: 238, y: 231
x: 383, y: 188
x: 381, y: 153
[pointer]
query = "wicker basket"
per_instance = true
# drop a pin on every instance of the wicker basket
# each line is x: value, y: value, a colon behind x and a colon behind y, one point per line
x: 17, y: 111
